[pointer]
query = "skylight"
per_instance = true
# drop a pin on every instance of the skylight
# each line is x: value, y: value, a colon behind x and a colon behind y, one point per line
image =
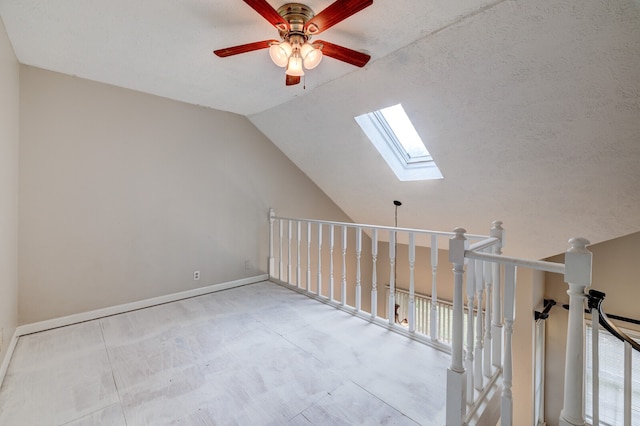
x: 394, y: 136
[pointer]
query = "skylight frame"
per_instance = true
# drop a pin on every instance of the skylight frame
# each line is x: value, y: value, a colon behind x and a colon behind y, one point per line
x: 382, y: 135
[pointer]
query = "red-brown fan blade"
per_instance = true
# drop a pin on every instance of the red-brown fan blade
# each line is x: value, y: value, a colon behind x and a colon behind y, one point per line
x: 334, y: 13
x: 292, y: 79
x: 268, y: 13
x: 244, y: 48
x: 343, y: 54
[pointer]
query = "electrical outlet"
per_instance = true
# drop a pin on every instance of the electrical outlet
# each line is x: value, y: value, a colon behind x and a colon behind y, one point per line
x: 247, y: 265
x: 196, y: 275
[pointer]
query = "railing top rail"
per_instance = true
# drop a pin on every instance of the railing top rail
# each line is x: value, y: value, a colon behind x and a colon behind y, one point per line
x: 381, y: 227
x: 487, y: 242
x: 540, y: 265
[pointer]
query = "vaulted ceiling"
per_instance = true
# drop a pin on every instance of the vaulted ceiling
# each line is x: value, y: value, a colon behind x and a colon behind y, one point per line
x: 531, y: 108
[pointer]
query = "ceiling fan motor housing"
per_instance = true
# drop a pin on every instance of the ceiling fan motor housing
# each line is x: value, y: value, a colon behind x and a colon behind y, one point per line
x: 297, y: 15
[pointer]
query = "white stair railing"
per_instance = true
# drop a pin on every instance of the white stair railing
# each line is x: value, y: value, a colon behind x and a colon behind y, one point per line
x: 619, y: 347
x: 485, y: 359
x: 465, y: 383
x: 424, y: 307
x: 309, y: 245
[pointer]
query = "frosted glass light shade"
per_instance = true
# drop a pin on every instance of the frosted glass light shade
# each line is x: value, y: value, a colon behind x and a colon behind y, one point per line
x: 295, y: 66
x: 280, y: 53
x: 311, y: 56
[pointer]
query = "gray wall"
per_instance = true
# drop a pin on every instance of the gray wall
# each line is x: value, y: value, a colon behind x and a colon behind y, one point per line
x: 9, y: 78
x: 123, y: 195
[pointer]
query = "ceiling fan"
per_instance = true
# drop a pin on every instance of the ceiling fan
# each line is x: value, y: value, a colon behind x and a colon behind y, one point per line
x: 297, y: 23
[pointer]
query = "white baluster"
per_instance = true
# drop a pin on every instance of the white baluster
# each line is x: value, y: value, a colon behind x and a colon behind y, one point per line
x: 358, y: 254
x: 450, y: 323
x: 434, y: 288
x: 443, y: 324
x: 298, y: 268
x: 496, y: 324
x: 419, y: 315
x: 319, y: 285
x: 446, y: 318
x: 343, y: 300
x: 412, y: 289
x: 456, y: 375
x: 595, y: 367
x: 426, y: 309
x: 471, y: 296
x: 578, y: 275
x: 289, y: 252
x: 392, y: 278
x: 280, y: 263
x: 487, y: 316
x: 477, y: 369
x: 506, y: 406
x: 627, y: 384
x: 272, y: 214
x: 331, y: 241
x: 308, y: 256
x: 374, y: 275
x: 426, y: 313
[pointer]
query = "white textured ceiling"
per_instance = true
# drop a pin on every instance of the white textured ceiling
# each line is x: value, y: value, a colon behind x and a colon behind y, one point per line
x: 531, y: 109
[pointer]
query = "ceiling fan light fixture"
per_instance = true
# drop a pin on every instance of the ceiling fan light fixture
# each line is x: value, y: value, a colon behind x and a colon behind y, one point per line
x: 294, y: 67
x: 280, y: 53
x: 311, y: 56
x: 297, y: 24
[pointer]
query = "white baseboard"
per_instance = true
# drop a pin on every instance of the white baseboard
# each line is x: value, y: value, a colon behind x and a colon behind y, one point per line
x: 119, y: 309
x: 7, y: 356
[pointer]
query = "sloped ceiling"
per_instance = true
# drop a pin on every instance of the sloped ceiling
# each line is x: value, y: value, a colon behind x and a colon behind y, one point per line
x: 531, y: 109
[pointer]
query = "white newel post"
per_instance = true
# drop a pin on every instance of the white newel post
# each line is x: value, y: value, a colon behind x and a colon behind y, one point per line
x: 434, y: 288
x: 578, y: 275
x: 272, y: 214
x: 358, y: 274
x: 343, y: 288
x: 374, y: 275
x: 456, y: 375
x: 478, y: 366
x: 496, y: 324
x: 298, y: 263
x: 308, y: 256
x: 595, y: 365
x: 280, y: 264
x: 289, y: 252
x: 627, y: 383
x: 331, y: 243
x: 392, y: 277
x: 468, y: 363
x: 486, y: 367
x: 319, y: 279
x: 506, y: 403
x: 412, y: 286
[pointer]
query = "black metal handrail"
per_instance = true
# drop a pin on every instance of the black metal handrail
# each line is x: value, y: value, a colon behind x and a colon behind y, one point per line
x: 595, y: 300
x: 548, y: 304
